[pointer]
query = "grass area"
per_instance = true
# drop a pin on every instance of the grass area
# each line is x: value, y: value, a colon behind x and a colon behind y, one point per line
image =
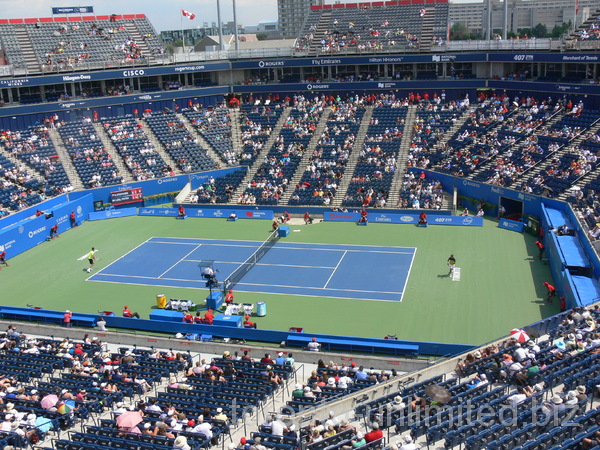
x: 500, y: 288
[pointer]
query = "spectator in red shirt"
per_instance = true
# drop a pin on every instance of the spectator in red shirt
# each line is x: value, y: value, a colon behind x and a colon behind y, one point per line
x: 209, y: 317
x: 267, y: 359
x: 128, y: 313
x: 67, y: 318
x: 374, y: 434
x: 551, y: 291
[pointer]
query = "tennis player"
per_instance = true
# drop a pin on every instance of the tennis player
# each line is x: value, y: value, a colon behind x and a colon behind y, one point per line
x: 451, y: 264
x: 91, y: 259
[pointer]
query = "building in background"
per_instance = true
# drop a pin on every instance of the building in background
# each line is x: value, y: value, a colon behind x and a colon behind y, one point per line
x: 521, y: 14
x: 268, y: 28
x: 291, y: 15
x: 193, y: 35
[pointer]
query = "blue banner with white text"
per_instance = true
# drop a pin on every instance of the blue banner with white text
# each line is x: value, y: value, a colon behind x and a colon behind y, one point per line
x: 432, y: 219
x: 112, y: 213
x: 26, y: 234
x: 512, y: 225
x: 191, y: 211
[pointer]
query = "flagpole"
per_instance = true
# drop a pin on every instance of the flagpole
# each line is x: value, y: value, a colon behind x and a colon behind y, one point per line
x: 182, y: 35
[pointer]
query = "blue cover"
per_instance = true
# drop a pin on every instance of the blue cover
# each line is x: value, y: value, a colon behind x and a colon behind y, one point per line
x: 572, y: 252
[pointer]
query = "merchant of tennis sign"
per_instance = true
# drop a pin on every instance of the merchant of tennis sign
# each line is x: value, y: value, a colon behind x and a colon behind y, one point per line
x: 73, y: 10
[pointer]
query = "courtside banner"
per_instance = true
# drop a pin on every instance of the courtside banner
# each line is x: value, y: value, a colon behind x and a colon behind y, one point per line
x: 26, y: 234
x: 469, y: 221
x: 209, y: 213
x: 512, y: 225
x: 112, y: 213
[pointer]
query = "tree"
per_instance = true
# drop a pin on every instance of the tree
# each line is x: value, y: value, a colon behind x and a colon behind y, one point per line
x: 261, y: 36
x: 559, y: 30
x: 459, y: 32
x: 539, y: 31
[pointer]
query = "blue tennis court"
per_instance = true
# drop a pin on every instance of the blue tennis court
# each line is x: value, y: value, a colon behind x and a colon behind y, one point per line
x: 322, y: 270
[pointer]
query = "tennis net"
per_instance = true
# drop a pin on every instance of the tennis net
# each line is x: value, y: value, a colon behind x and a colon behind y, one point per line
x: 239, y: 273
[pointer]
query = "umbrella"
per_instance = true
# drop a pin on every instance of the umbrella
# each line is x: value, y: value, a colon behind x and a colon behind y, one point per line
x: 519, y: 335
x: 438, y: 394
x: 49, y: 401
x: 129, y: 419
x: 43, y: 424
x: 66, y: 407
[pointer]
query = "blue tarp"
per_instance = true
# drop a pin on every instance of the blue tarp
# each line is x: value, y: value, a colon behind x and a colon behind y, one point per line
x: 572, y: 252
x: 557, y: 218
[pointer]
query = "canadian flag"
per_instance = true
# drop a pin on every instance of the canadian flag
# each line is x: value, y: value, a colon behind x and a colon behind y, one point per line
x: 188, y: 14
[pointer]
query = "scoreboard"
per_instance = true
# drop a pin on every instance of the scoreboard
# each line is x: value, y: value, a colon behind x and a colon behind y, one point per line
x: 126, y: 196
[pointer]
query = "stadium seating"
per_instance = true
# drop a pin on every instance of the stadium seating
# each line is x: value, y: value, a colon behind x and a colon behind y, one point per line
x: 257, y: 123
x: 326, y: 167
x: 372, y: 177
x: 34, y: 147
x: 138, y: 153
x: 214, y: 125
x: 178, y: 143
x: 90, y: 158
x: 371, y: 28
x: 272, y: 177
x: 89, y: 42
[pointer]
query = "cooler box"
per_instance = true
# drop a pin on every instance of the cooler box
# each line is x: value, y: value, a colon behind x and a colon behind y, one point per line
x: 214, y: 300
x: 161, y: 301
x: 228, y: 321
x: 284, y: 231
x: 261, y: 309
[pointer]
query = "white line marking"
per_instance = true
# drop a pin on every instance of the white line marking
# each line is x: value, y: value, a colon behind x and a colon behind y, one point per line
x: 412, y: 260
x: 181, y: 259
x: 245, y: 284
x: 262, y: 264
x: 285, y: 244
x: 203, y: 243
x: 334, y: 269
x: 121, y: 257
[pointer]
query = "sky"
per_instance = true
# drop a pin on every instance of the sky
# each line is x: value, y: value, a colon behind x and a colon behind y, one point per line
x: 164, y: 15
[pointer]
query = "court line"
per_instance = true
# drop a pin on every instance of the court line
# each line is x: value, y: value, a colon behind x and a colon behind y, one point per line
x: 345, y: 251
x: 334, y: 269
x: 257, y: 292
x: 309, y: 287
x: 245, y: 284
x: 119, y: 258
x: 203, y: 243
x: 264, y: 264
x: 284, y: 243
x: 408, y: 275
x: 181, y: 259
x: 294, y: 248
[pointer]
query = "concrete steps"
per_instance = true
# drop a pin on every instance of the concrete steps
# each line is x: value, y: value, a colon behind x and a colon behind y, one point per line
x: 402, y: 161
x: 114, y: 154
x: 159, y: 147
x: 201, y: 141
x: 312, y: 145
x: 31, y: 61
x: 66, y: 161
x: 353, y: 158
x: 252, y: 169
